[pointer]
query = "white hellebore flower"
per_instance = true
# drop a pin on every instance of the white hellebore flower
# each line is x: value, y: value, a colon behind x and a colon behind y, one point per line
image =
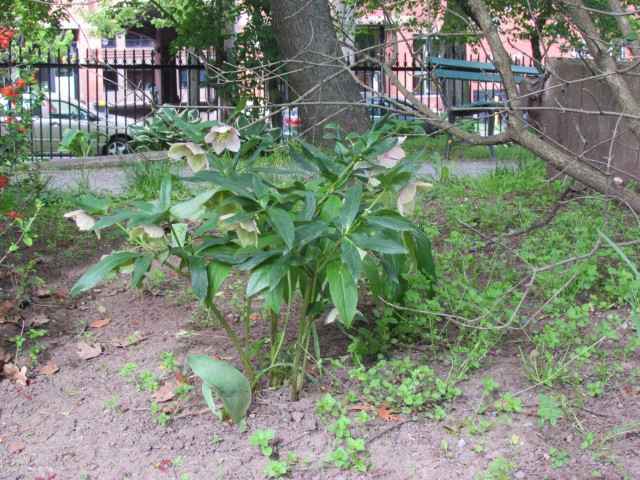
x: 390, y: 159
x: 194, y: 153
x: 83, y: 220
x: 406, y: 199
x: 153, y: 231
x: 246, y: 230
x: 223, y: 137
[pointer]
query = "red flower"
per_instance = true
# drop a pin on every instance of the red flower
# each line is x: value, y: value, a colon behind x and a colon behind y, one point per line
x: 13, y: 215
x: 3, y: 181
x: 1, y: 229
x: 21, y: 82
x: 8, y: 120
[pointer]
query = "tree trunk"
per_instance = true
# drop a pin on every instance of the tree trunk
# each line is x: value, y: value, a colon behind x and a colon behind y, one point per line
x: 518, y: 129
x: 323, y: 83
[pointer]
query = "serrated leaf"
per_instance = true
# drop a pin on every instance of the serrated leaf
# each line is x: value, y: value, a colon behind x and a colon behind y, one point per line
x: 349, y: 210
x: 140, y: 268
x: 231, y: 384
x: 199, y: 277
x: 350, y: 256
x: 258, y: 280
x: 283, y: 225
x: 344, y: 292
x: 377, y: 243
x: 96, y: 273
x: 189, y: 208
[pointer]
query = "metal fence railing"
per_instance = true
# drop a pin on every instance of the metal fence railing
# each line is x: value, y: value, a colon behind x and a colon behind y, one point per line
x: 107, y: 90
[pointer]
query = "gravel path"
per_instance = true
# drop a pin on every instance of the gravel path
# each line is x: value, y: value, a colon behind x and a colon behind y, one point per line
x: 69, y: 174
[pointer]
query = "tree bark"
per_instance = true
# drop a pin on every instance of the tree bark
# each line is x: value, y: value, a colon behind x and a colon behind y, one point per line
x: 324, y: 85
x: 518, y: 129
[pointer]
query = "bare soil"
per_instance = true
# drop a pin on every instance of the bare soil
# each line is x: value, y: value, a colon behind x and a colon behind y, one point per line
x: 59, y: 425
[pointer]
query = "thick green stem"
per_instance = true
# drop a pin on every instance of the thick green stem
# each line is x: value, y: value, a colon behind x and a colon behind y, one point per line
x: 247, y: 325
x: 236, y: 343
x: 297, y: 377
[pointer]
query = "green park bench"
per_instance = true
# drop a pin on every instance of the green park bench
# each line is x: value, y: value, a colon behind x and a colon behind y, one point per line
x: 443, y: 69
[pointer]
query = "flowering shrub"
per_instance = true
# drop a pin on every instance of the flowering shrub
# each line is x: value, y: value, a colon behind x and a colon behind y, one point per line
x: 321, y: 235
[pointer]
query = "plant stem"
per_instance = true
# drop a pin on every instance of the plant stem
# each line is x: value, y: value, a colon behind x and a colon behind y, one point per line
x: 236, y: 342
x: 298, y: 377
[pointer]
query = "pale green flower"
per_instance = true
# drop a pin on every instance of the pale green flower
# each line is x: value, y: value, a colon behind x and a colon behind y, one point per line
x: 194, y: 153
x: 246, y: 230
x: 151, y: 230
x: 390, y: 158
x: 406, y: 199
x: 223, y: 137
x: 83, y: 220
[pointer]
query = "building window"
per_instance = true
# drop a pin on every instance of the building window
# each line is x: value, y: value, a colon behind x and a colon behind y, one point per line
x: 369, y: 41
x: 139, y: 79
x: 135, y: 40
x: 423, y: 46
x: 108, y: 42
x: 110, y: 80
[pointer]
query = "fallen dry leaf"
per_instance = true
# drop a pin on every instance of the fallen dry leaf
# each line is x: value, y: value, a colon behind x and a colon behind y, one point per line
x: 18, y: 374
x: 10, y: 319
x: 61, y: 291
x: 49, y: 369
x: 180, y: 378
x: 100, y: 323
x: 132, y: 339
x: 385, y: 413
x: 43, y: 292
x: 165, y: 393
x: 6, y: 306
x: 5, y: 357
x: 87, y: 351
x: 17, y: 447
x: 39, y: 319
x: 359, y: 407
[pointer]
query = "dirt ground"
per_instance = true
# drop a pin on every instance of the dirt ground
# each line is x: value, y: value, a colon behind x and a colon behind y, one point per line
x: 86, y: 421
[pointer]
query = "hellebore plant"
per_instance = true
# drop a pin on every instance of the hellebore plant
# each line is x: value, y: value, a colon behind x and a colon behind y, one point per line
x: 315, y: 239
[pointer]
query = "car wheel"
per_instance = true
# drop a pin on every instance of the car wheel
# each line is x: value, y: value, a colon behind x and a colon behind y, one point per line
x: 117, y: 146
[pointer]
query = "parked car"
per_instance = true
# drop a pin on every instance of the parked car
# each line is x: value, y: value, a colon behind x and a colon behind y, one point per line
x: 55, y: 115
x: 397, y: 108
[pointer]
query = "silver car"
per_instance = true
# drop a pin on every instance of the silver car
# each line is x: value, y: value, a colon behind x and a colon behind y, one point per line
x: 55, y: 115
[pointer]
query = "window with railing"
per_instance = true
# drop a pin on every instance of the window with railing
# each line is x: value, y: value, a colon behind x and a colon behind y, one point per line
x: 135, y: 40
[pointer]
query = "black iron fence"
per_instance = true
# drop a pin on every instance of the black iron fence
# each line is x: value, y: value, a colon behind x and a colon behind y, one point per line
x: 107, y: 90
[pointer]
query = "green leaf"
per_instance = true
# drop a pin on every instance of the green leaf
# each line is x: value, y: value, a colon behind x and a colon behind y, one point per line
x: 344, y: 292
x: 371, y: 271
x: 199, y: 277
x: 350, y: 256
x: 283, y: 225
x: 217, y: 273
x: 92, y: 204
x: 259, y: 279
x: 231, y: 384
x: 140, y: 267
x: 377, y: 243
x: 164, y: 201
x: 331, y: 209
x: 96, y: 273
x: 391, y: 220
x: 189, y: 208
x: 300, y: 161
x: 308, y: 208
x: 104, y: 222
x: 311, y: 231
x: 348, y: 211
